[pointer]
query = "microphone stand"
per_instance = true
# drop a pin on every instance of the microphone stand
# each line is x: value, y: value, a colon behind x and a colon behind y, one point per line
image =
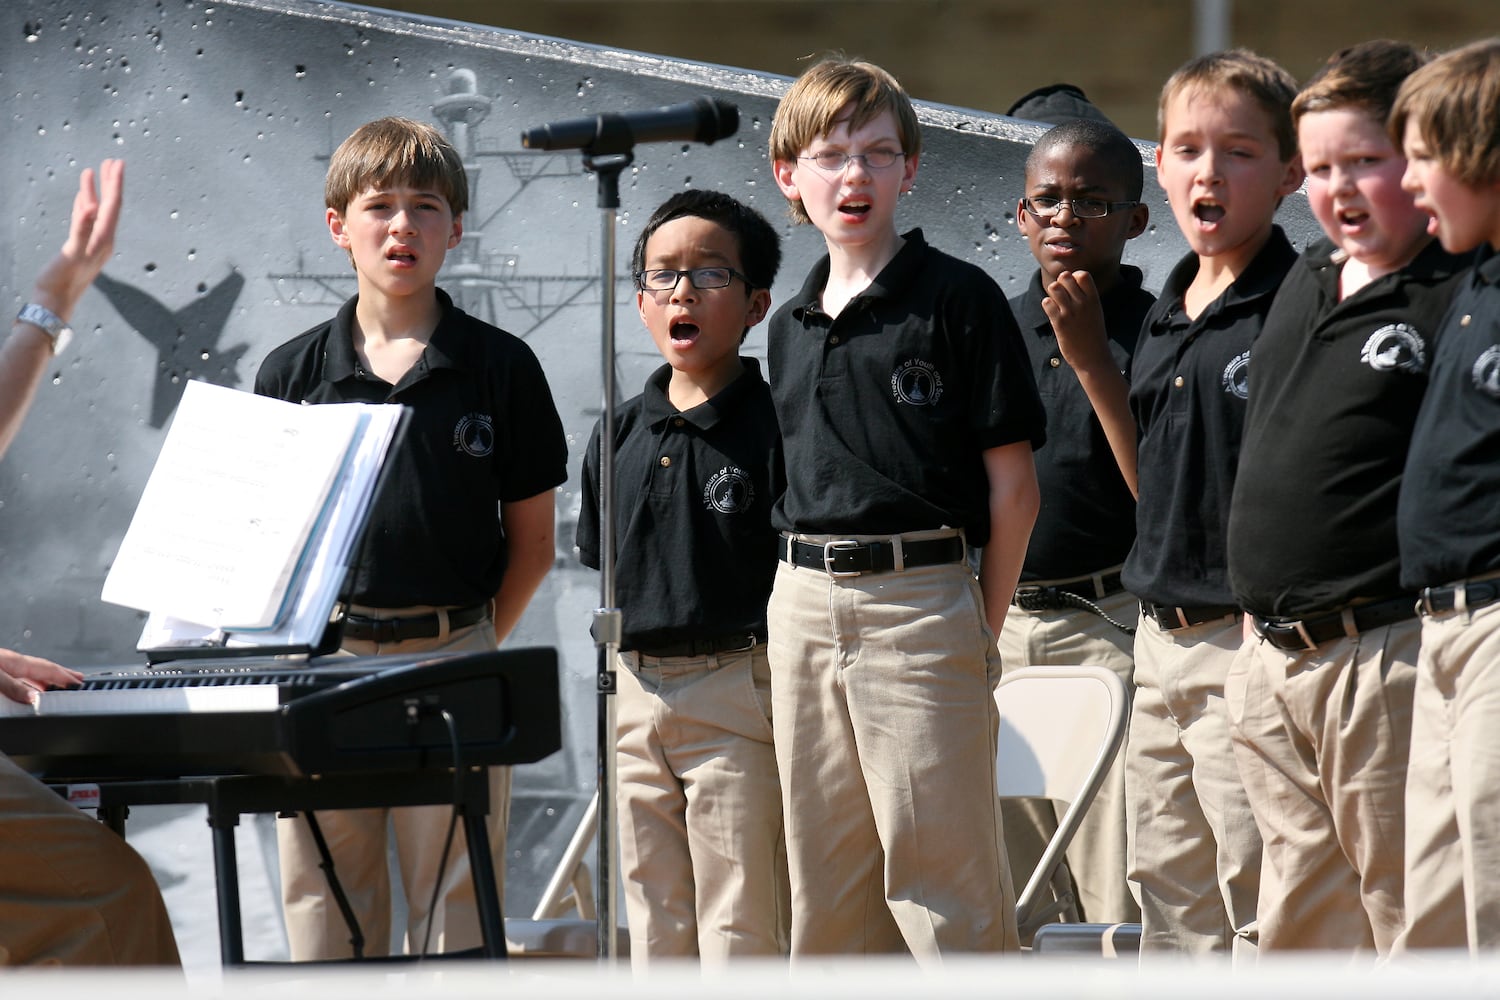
x: 606, y: 627
x: 609, y: 149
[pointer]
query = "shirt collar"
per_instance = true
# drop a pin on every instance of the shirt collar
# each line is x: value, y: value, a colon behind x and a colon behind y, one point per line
x: 444, y: 349
x: 1260, y: 279
x: 892, y: 280
x: 657, y: 408
x: 1487, y: 265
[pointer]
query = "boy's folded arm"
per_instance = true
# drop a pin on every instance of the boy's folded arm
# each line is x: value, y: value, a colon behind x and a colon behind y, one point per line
x: 1014, y: 502
x: 1072, y: 305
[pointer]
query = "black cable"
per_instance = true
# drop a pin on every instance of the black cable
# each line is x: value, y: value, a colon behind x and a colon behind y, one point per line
x: 458, y: 786
x: 335, y: 888
x: 1055, y: 599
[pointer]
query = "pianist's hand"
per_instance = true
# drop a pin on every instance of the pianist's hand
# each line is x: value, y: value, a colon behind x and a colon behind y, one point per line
x: 21, y: 676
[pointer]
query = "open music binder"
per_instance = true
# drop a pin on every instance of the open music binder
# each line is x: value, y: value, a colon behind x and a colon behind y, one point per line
x: 244, y: 533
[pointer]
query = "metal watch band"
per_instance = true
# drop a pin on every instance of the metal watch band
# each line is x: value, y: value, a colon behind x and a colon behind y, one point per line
x: 49, y: 322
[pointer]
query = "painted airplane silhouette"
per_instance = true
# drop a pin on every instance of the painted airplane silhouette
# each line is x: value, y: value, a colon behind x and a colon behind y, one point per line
x: 186, y: 340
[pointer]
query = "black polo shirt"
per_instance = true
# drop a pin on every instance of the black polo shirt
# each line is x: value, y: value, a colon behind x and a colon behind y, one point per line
x: 1449, y: 513
x: 482, y: 431
x: 695, y: 550
x: 886, y: 409
x: 1188, y: 388
x: 1087, y: 519
x: 1335, y: 388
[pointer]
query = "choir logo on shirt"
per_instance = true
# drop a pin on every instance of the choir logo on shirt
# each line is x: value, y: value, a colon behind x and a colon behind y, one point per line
x: 1486, y: 372
x: 728, y: 491
x: 1236, y: 377
x: 916, y: 383
x: 1395, y: 347
x: 475, y: 435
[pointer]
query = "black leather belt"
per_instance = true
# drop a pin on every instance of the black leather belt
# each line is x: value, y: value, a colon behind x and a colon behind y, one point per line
x: 375, y: 629
x: 1169, y: 618
x: 1310, y: 633
x: 1441, y: 600
x: 846, y: 557
x: 1044, y: 596
x: 737, y: 642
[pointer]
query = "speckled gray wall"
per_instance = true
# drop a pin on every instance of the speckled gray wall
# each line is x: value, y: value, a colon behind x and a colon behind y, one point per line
x: 225, y: 112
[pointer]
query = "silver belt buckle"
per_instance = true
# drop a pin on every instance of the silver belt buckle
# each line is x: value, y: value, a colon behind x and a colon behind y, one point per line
x: 840, y: 545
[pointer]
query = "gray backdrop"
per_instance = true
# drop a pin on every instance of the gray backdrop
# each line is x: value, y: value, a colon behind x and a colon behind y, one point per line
x: 226, y: 112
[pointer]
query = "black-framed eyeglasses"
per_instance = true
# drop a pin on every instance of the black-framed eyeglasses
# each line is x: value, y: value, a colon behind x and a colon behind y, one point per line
x: 834, y: 160
x: 1083, y: 208
x: 664, y: 279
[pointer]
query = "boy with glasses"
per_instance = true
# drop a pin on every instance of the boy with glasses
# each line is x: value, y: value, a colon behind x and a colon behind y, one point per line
x: 908, y: 416
x: 698, y: 466
x: 1080, y: 318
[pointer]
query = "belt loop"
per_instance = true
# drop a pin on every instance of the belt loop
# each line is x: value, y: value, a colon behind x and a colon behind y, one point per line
x: 1302, y: 633
x: 1461, y: 601
x: 1182, y: 619
x: 791, y: 540
x: 898, y: 554
x: 1098, y: 579
x: 1346, y: 617
x: 442, y: 618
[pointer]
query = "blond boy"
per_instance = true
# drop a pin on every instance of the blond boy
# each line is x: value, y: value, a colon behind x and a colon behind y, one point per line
x: 908, y: 416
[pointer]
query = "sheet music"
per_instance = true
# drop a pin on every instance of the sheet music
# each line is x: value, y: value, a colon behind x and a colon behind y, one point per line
x: 246, y: 522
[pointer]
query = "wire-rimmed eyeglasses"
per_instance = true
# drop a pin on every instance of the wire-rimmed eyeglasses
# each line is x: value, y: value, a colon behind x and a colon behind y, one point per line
x: 1082, y: 208
x: 664, y: 279
x: 834, y: 160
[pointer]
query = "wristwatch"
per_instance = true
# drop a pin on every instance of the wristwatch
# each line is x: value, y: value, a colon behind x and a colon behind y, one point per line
x: 48, y: 321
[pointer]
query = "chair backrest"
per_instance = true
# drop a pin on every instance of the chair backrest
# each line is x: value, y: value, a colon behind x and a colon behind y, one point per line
x: 1060, y: 729
x: 1058, y: 725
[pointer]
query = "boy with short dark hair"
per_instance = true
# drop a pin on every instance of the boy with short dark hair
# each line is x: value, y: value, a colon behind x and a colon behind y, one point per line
x: 908, y: 416
x: 698, y: 466
x: 1447, y: 119
x: 1320, y: 698
x: 1080, y: 319
x: 1227, y: 157
x: 438, y: 569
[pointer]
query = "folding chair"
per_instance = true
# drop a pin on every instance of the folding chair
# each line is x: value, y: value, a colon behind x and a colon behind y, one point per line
x: 1060, y: 729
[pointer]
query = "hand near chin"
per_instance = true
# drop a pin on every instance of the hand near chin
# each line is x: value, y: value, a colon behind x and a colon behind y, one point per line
x: 22, y: 676
x: 1072, y: 305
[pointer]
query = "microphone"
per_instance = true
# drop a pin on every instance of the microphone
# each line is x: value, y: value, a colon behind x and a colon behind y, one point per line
x: 701, y: 120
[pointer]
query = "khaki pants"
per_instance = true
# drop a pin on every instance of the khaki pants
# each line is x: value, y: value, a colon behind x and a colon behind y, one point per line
x: 71, y: 891
x: 1453, y: 786
x: 702, y: 850
x: 1096, y: 857
x: 1195, y: 848
x: 1321, y: 740
x: 885, y: 726
x: 358, y: 843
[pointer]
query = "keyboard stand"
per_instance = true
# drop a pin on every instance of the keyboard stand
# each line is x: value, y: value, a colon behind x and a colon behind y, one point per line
x: 230, y: 797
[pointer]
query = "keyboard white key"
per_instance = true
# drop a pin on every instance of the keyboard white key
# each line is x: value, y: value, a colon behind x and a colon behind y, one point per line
x: 145, y: 700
